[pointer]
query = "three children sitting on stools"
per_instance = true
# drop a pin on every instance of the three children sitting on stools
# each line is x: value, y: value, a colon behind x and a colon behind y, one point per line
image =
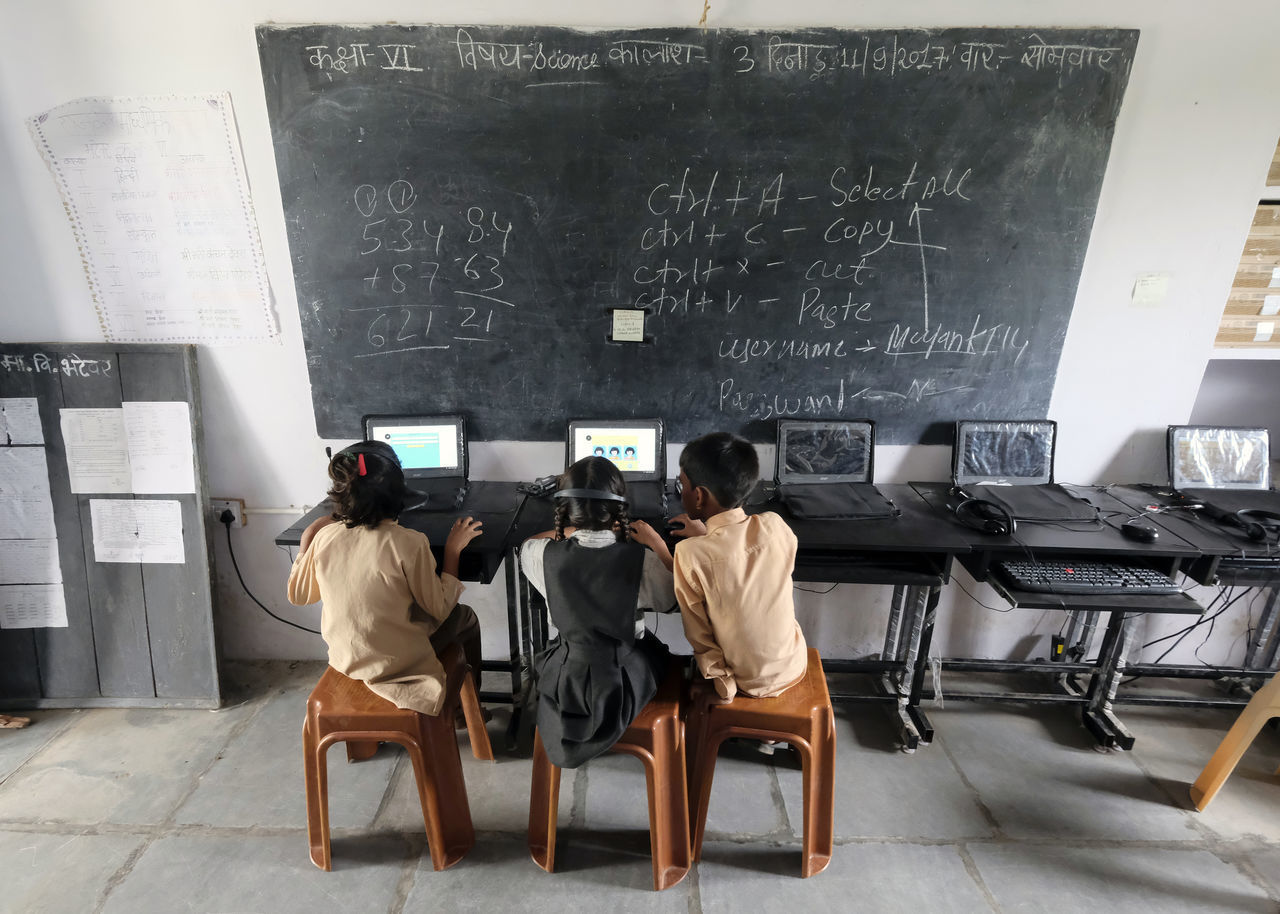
x: 387, y: 611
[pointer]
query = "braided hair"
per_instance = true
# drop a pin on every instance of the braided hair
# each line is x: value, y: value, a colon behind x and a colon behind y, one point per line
x: 593, y: 513
x: 370, y: 498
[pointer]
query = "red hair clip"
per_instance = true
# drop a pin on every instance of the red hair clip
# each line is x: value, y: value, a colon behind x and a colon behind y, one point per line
x: 360, y: 463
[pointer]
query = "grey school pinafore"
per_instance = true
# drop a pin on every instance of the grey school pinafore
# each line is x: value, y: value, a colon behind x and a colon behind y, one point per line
x: 595, y: 677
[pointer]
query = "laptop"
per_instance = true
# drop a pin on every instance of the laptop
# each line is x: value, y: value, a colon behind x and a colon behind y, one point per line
x: 1010, y: 462
x: 637, y: 447
x: 823, y: 470
x: 1226, y: 468
x: 433, y: 455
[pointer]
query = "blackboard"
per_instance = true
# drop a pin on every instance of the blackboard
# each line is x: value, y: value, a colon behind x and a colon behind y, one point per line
x: 816, y: 224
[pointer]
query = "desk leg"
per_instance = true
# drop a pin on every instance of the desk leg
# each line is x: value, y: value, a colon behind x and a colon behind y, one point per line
x: 1261, y: 653
x: 927, y: 599
x: 521, y: 647
x: 894, y: 631
x: 1098, y: 714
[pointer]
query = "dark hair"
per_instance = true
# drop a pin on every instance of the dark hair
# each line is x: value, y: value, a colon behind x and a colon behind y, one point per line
x: 593, y: 513
x: 724, y: 464
x: 370, y: 499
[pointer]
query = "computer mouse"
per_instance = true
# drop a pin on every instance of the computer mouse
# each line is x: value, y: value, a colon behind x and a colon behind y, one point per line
x: 1142, y: 533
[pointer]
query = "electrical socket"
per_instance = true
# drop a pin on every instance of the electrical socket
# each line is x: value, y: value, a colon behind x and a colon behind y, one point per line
x: 234, y: 505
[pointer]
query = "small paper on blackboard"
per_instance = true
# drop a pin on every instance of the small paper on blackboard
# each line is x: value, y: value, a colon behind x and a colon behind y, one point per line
x: 628, y: 325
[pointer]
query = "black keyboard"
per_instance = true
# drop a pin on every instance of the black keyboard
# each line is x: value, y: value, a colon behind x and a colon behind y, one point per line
x: 1057, y: 576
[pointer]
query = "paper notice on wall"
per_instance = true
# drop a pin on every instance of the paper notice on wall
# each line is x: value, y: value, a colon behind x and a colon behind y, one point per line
x: 136, y: 530
x: 32, y: 606
x: 159, y: 202
x: 26, y: 506
x: 20, y: 421
x: 29, y: 562
x: 97, y: 450
x: 159, y: 443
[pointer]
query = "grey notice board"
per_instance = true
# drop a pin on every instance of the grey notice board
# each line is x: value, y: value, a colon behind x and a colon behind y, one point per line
x: 137, y: 634
x: 814, y: 224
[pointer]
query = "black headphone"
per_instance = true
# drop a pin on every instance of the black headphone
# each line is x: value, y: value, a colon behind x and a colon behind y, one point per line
x: 985, y: 517
x: 1258, y: 523
x: 599, y: 494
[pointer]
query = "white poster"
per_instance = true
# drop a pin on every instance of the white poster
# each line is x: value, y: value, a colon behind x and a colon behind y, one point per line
x: 20, y: 421
x: 158, y: 199
x: 136, y: 530
x: 32, y: 606
x: 97, y: 450
x: 159, y: 442
x: 29, y: 562
x: 26, y: 506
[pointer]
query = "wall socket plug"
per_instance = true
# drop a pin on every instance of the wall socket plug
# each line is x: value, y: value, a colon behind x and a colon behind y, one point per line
x: 234, y: 505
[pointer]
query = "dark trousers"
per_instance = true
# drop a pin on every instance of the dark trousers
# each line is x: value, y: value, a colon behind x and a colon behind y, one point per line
x: 463, y: 627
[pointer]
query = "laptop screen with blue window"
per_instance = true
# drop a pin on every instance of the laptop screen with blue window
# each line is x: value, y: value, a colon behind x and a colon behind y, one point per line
x: 427, y: 446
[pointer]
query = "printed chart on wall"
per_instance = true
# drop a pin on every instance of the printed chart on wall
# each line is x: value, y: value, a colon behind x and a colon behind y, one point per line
x: 158, y: 199
x: 721, y: 228
x: 31, y: 592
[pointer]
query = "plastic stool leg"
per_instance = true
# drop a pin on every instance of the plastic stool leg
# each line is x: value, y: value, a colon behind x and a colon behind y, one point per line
x: 668, y: 805
x: 450, y: 831
x: 819, y: 795
x: 544, y: 807
x: 317, y: 788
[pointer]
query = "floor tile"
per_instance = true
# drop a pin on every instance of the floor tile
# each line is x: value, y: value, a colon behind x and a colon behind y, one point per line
x: 594, y: 873
x: 497, y: 791
x: 860, y: 877
x: 744, y: 797
x: 1173, y: 746
x: 878, y: 788
x: 124, y: 767
x: 84, y: 865
x: 1037, y: 771
x: 16, y: 746
x: 1267, y: 864
x: 260, y: 874
x: 1027, y: 877
x: 258, y: 778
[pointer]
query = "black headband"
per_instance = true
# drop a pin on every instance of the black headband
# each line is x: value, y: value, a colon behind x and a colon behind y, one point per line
x: 599, y: 494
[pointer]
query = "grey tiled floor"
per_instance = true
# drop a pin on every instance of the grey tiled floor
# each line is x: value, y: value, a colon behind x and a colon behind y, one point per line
x: 1010, y: 809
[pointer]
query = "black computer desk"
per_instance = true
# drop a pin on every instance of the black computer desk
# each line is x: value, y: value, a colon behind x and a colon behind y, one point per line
x: 1228, y: 558
x: 913, y: 553
x: 495, y: 505
x: 1100, y: 540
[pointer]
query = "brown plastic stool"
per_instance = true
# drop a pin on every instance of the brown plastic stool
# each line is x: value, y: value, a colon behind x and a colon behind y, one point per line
x: 1264, y: 705
x: 342, y: 709
x: 656, y: 737
x: 801, y: 716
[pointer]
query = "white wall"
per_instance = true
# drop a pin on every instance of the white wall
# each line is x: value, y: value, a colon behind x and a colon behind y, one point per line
x: 1194, y: 137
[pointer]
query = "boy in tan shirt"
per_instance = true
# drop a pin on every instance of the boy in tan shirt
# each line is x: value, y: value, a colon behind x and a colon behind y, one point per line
x: 732, y: 573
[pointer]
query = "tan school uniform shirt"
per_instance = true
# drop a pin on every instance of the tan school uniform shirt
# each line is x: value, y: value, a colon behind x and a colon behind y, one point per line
x: 734, y: 589
x: 382, y: 602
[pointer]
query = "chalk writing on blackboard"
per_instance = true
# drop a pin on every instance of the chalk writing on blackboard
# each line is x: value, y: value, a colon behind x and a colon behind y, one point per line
x: 825, y: 223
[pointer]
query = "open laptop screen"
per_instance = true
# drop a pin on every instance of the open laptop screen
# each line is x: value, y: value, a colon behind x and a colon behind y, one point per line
x: 1016, y: 452
x: 824, y: 451
x: 1209, y: 457
x: 636, y: 446
x: 428, y: 446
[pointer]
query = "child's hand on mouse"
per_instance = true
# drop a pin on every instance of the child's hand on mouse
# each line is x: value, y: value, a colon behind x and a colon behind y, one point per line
x: 464, y: 530
x: 685, y: 526
x: 645, y: 535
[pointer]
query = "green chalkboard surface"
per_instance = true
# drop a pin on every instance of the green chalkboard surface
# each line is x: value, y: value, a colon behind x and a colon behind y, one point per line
x: 822, y: 223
